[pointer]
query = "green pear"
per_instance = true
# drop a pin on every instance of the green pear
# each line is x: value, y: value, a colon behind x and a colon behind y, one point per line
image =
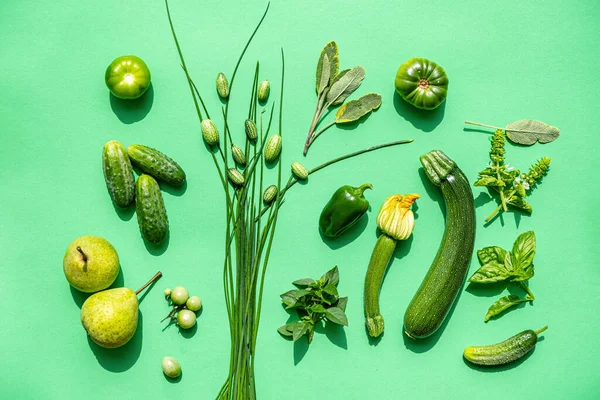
x: 91, y: 264
x: 110, y: 317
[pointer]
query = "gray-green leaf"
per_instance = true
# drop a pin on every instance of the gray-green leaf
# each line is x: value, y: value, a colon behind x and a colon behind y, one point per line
x: 491, y: 253
x: 345, y: 86
x: 528, y: 132
x: 490, y: 273
x: 332, y: 276
x: 331, y: 50
x: 299, y: 329
x: 285, y: 330
x: 337, y: 316
x: 338, y: 76
x: 342, y: 303
x: 324, y: 75
x: 289, y: 298
x: 501, y: 305
x: 356, y: 109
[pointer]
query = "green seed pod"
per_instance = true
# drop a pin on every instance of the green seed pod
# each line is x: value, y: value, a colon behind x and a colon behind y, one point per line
x: 235, y: 177
x: 238, y: 155
x: 270, y: 194
x: 263, y: 91
x: 299, y: 170
x: 222, y: 85
x: 251, y: 130
x: 273, y: 148
x: 210, y: 132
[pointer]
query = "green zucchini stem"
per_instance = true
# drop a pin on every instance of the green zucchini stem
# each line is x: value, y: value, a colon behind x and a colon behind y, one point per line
x: 380, y: 258
x: 541, y: 330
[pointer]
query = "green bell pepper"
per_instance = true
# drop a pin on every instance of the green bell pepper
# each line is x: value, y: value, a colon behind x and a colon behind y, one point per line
x: 343, y: 210
x: 422, y: 83
x: 127, y: 77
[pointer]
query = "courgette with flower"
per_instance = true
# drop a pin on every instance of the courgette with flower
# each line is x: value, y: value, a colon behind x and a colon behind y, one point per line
x: 396, y: 222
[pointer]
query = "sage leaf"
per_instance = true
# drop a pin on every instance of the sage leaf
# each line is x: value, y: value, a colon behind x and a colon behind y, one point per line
x: 491, y: 253
x: 529, y: 131
x: 324, y: 75
x: 303, y: 282
x: 299, y: 329
x: 490, y: 273
x: 337, y: 316
x: 332, y: 276
x: 284, y: 330
x: 345, y: 86
x: 338, y: 76
x: 501, y: 305
x: 356, y: 109
x: 523, y: 250
x: 331, y: 50
x: 342, y: 303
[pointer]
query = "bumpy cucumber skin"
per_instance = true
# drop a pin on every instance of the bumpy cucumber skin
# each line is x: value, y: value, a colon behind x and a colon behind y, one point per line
x: 505, y: 352
x: 150, y: 209
x: 118, y: 173
x: 156, y: 164
x: 446, y: 276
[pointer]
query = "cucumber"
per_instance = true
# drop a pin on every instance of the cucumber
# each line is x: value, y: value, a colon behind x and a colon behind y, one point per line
x: 440, y: 287
x: 118, y: 173
x: 156, y: 164
x: 150, y: 209
x: 510, y: 350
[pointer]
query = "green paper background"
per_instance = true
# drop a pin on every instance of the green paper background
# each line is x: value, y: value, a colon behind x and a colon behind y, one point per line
x: 506, y: 61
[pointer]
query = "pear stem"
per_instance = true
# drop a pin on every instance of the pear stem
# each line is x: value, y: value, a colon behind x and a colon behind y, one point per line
x: 155, y: 277
x: 82, y: 254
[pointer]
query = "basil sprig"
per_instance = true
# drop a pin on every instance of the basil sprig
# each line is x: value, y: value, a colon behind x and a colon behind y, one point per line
x: 314, y: 301
x: 499, y: 265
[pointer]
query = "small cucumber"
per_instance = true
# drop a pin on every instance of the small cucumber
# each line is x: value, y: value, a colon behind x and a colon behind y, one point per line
x: 502, y: 353
x: 150, y: 209
x: 118, y: 173
x: 156, y: 164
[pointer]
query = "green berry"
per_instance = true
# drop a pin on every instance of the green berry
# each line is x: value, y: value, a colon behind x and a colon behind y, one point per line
x: 179, y: 295
x: 171, y: 367
x: 270, y: 194
x: 194, y: 303
x: 299, y: 170
x: 273, y: 148
x: 186, y: 319
x: 167, y: 292
x: 263, y: 91
x: 222, y: 86
x: 209, y: 132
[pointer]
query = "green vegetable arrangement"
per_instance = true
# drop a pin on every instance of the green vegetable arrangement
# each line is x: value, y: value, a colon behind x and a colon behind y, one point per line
x: 499, y: 265
x: 314, y: 301
x: 250, y: 226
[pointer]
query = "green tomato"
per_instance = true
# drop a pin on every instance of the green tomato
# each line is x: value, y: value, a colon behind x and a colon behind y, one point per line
x: 194, y: 303
x: 422, y: 83
x: 171, y: 367
x: 127, y: 77
x: 179, y: 295
x: 186, y: 319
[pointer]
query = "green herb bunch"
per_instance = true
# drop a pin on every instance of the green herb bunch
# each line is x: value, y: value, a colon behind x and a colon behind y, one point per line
x: 509, y: 182
x: 499, y: 265
x: 314, y: 301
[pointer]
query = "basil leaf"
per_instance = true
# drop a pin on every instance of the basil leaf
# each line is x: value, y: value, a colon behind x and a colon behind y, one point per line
x: 490, y: 273
x: 345, y: 86
x: 301, y: 293
x: 520, y: 203
x: 284, y: 330
x: 342, y: 303
x: 501, y: 305
x: 331, y: 50
x: 508, y: 263
x: 356, y: 109
x: 289, y: 298
x: 333, y: 276
x: 331, y: 289
x: 337, y: 316
x: 324, y: 75
x: 491, y: 253
x: 528, y: 132
x: 524, y: 275
x: 523, y: 250
x: 299, y: 329
x: 488, y: 181
x: 303, y: 282
x: 318, y: 308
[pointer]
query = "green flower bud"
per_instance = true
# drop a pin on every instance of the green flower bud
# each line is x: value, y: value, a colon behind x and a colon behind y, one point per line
x: 299, y: 170
x: 273, y: 148
x: 263, y: 91
x: 238, y: 155
x: 210, y: 132
x: 222, y: 85
x: 251, y: 130
x: 235, y: 177
x: 270, y: 194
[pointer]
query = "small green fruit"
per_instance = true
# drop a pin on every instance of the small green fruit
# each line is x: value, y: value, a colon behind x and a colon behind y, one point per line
x: 222, y: 85
x: 251, y: 130
x: 179, y: 295
x: 91, y: 264
x: 167, y: 292
x: 186, y: 319
x: 235, y: 177
x: 194, y: 303
x: 171, y: 367
x: 270, y: 194
x: 263, y: 91
x: 209, y: 132
x: 299, y: 170
x: 238, y: 155
x: 273, y: 148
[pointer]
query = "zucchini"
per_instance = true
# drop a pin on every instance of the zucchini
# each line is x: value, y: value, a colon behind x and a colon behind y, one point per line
x: 440, y: 287
x: 118, y: 173
x: 150, y: 209
x: 156, y: 164
x: 510, y: 350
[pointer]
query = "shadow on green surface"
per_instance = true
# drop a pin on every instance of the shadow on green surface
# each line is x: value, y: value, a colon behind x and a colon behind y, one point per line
x: 131, y: 111
x: 494, y: 290
x: 189, y: 333
x: 125, y: 213
x: 335, y: 333
x: 174, y: 380
x: 499, y: 368
x: 122, y: 358
x: 348, y: 236
x: 482, y: 199
x: 80, y: 297
x: 174, y: 190
x: 433, y: 192
x: 425, y: 120
x: 156, y: 249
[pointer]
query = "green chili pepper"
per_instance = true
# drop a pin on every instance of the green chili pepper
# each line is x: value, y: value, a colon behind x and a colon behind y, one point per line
x: 345, y: 207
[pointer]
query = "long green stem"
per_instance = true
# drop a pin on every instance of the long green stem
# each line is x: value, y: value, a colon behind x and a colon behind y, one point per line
x: 511, y: 194
x: 526, y: 288
x: 499, y: 127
